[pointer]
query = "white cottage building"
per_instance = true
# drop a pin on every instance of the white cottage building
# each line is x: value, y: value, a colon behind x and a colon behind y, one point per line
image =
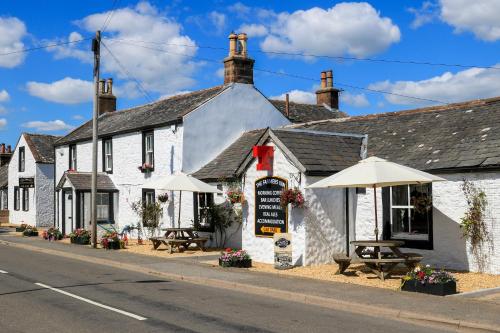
x: 31, y: 181
x: 152, y: 141
x: 457, y: 142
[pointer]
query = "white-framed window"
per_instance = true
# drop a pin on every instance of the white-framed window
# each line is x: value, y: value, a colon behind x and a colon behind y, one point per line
x: 108, y: 155
x: 149, y: 148
x: 22, y: 159
x: 411, y: 212
x: 72, y: 157
x: 26, y: 199
x: 103, y: 206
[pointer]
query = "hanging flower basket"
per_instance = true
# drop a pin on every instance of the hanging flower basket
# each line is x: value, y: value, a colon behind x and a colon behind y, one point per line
x: 163, y: 198
x: 146, y: 167
x: 293, y: 197
x: 236, y: 196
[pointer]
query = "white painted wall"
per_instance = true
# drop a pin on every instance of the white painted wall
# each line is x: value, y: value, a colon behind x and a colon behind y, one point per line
x: 215, y: 125
x: 44, y: 194
x: 449, y: 206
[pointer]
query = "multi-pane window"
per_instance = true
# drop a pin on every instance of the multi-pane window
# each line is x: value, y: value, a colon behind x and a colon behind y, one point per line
x: 149, y: 197
x: 148, y: 149
x: 72, y: 157
x: 203, y: 203
x: 26, y: 199
x: 103, y: 207
x: 22, y: 159
x: 410, y: 212
x: 107, y: 155
x: 17, y: 198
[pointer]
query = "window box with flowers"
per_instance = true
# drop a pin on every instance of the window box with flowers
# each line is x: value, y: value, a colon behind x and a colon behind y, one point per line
x: 293, y: 197
x: 146, y: 167
x: 429, y: 281
x: 111, y: 241
x: 80, y: 237
x: 52, y: 234
x: 235, y: 258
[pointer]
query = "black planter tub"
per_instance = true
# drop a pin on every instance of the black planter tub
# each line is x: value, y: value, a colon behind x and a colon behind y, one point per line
x: 245, y: 263
x: 439, y: 289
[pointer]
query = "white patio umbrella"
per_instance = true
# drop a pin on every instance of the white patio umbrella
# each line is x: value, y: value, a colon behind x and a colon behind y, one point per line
x: 180, y: 181
x: 376, y: 172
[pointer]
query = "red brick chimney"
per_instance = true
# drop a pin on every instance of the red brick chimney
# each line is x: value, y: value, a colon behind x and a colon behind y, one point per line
x: 5, y: 154
x: 327, y: 94
x: 107, y: 101
x: 237, y: 66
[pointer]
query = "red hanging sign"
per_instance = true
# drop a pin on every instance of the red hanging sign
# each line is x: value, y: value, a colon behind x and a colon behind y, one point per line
x: 265, y: 156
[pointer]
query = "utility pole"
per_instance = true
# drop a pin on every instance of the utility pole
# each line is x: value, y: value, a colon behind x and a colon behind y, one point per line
x: 96, y: 48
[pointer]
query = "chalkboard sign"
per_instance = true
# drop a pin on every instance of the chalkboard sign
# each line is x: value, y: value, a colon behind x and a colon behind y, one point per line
x: 270, y: 217
x: 26, y: 182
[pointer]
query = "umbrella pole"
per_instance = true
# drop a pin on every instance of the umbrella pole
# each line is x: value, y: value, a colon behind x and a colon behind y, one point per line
x: 180, y: 201
x: 376, y: 217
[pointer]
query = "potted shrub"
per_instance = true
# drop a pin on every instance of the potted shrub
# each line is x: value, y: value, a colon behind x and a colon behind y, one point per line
x: 235, y: 258
x: 293, y: 197
x: 52, y: 234
x: 429, y: 281
x: 30, y: 231
x: 80, y: 236
x: 21, y: 228
x: 111, y: 241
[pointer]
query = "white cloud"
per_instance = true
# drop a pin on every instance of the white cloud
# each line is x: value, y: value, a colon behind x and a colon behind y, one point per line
x: 346, y: 28
x: 356, y: 100
x: 220, y: 73
x: 70, y: 50
x: 163, y: 67
x: 240, y: 9
x: 78, y: 117
x: 3, y: 123
x: 449, y: 87
x: 218, y: 20
x: 65, y: 91
x: 253, y: 30
x: 48, y: 126
x: 297, y: 96
x: 182, y: 92
x: 4, y: 95
x: 12, y: 31
x: 478, y: 16
x: 428, y: 12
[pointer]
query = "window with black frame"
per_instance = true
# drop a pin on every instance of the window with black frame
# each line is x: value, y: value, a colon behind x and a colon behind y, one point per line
x: 22, y: 159
x: 72, y: 158
x: 26, y: 199
x: 203, y: 203
x: 17, y: 198
x: 408, y: 214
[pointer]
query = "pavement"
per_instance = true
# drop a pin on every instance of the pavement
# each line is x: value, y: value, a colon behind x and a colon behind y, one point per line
x: 440, y: 312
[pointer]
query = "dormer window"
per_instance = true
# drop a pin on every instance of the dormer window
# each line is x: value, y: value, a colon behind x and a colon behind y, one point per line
x: 72, y: 157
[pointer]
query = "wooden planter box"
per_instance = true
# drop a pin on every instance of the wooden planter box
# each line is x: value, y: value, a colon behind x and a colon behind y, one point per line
x: 20, y: 229
x: 80, y: 241
x: 439, y: 289
x: 246, y: 263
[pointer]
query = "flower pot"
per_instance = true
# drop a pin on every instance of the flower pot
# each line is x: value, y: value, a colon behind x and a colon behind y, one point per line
x: 245, y: 263
x: 80, y: 240
x: 113, y: 245
x: 439, y: 289
x: 30, y: 234
x: 20, y: 229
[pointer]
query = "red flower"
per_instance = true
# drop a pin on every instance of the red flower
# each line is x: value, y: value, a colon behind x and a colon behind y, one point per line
x: 421, y: 275
x: 228, y: 249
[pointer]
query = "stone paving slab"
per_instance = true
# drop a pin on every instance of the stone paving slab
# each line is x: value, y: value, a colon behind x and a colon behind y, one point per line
x: 454, y: 308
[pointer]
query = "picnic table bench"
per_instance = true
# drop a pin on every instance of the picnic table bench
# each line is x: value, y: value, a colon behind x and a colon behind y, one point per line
x: 180, y: 239
x: 379, y: 262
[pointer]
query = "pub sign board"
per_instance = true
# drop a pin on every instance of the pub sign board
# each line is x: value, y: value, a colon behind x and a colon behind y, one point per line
x: 27, y: 182
x: 270, y: 217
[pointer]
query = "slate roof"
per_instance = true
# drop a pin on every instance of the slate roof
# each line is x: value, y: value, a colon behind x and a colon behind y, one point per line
x: 151, y: 115
x: 225, y: 165
x: 462, y: 135
x: 316, y: 153
x: 82, y: 181
x: 41, y: 146
x: 4, y: 176
x: 300, y: 113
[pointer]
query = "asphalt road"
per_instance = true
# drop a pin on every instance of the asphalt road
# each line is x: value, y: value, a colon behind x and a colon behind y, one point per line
x: 92, y: 298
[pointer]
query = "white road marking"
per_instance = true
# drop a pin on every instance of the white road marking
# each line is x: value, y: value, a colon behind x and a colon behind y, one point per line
x: 3, y: 272
x: 125, y: 313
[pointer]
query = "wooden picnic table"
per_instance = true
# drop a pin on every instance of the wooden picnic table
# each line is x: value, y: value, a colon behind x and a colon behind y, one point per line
x: 179, y: 239
x: 380, y: 262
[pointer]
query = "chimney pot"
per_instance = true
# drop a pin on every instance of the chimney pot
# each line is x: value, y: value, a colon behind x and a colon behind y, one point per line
x: 242, y: 43
x: 9, y: 149
x: 107, y: 101
x: 328, y: 94
x: 329, y: 78
x: 323, y: 80
x: 109, y: 86
x: 232, y: 43
x: 238, y: 68
x: 102, y: 89
x: 3, y: 148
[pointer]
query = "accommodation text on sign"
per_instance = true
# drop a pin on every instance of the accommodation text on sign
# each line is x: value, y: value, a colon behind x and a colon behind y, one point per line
x: 270, y: 217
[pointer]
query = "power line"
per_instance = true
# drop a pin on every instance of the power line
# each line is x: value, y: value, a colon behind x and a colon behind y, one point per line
x: 397, y: 61
x: 110, y: 15
x: 45, y: 46
x: 127, y: 73
x: 297, y: 76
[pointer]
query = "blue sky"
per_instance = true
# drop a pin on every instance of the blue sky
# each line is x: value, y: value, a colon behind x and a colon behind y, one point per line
x: 177, y: 46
